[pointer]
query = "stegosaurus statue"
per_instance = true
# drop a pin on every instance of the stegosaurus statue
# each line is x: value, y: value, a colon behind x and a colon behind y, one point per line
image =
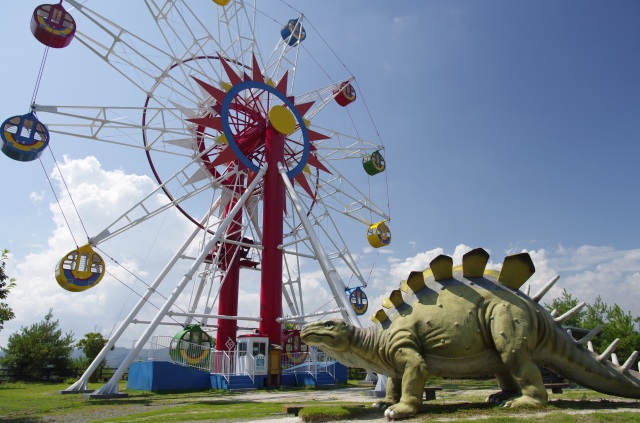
x: 467, y: 321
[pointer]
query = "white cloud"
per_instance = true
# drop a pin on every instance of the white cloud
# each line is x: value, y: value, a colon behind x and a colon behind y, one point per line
x: 101, y: 195
x: 36, y: 197
x: 585, y: 272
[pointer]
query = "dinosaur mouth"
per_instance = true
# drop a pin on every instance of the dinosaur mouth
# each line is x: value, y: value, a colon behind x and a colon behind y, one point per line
x: 318, y: 336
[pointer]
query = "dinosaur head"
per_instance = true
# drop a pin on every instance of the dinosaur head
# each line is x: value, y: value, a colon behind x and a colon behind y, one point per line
x: 330, y: 335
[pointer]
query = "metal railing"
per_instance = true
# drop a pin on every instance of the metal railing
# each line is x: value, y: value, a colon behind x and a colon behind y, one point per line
x: 231, y: 363
x: 226, y: 363
x: 312, y: 362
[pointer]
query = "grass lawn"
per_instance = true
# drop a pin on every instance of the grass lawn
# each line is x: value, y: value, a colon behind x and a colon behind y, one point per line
x: 460, y: 401
x: 21, y: 402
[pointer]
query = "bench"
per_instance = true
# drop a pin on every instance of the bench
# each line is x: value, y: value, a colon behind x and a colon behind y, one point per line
x: 430, y: 392
x: 556, y: 388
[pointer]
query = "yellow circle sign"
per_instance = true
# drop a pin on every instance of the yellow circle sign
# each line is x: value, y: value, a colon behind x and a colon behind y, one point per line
x: 282, y: 120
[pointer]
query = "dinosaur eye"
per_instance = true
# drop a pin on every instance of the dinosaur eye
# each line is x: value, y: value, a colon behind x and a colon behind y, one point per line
x: 328, y: 324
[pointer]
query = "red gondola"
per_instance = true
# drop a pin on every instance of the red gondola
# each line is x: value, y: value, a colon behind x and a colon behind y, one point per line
x: 346, y: 94
x: 52, y: 25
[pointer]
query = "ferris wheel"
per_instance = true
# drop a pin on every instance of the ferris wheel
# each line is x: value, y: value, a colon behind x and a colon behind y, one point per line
x: 235, y: 139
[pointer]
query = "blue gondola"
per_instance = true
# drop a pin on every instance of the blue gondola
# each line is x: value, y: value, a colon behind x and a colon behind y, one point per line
x: 24, y: 138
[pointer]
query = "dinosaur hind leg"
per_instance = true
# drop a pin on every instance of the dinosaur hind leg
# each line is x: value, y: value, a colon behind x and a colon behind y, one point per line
x: 515, y: 355
x: 508, y: 389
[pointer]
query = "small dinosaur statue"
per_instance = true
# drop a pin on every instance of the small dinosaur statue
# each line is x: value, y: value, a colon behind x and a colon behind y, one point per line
x: 468, y: 321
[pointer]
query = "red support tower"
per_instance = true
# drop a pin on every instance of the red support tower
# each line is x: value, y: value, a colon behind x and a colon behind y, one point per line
x: 271, y: 277
x: 230, y: 263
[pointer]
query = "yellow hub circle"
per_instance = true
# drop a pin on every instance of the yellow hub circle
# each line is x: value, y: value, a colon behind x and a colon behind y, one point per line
x: 282, y: 120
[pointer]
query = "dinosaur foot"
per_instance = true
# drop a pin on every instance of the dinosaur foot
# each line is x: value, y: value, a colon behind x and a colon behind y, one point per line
x: 381, y: 404
x: 524, y: 401
x: 501, y: 397
x: 400, y: 411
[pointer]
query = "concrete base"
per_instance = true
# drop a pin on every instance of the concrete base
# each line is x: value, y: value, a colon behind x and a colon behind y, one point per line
x: 85, y: 391
x: 105, y: 396
x: 375, y: 394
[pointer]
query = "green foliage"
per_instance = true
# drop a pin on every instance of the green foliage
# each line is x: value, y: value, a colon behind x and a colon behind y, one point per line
x: 39, y: 351
x: 616, y: 323
x: 6, y: 284
x: 91, y: 345
x: 565, y: 303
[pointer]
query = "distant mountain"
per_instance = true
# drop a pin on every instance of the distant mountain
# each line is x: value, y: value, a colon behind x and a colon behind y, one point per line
x: 116, y: 356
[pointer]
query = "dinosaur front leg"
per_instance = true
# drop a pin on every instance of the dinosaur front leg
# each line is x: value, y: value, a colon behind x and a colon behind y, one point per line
x: 414, y: 376
x: 393, y: 393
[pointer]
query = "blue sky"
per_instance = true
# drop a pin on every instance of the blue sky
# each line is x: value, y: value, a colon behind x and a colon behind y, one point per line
x: 507, y: 125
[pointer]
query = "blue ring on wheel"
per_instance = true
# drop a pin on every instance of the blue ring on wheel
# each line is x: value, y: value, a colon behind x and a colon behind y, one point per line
x: 224, y: 114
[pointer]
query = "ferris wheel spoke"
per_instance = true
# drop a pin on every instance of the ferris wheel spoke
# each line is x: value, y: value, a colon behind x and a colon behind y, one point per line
x: 187, y: 36
x: 321, y: 97
x: 148, y: 207
x: 338, y: 194
x: 284, y: 57
x: 148, y: 65
x: 122, y: 126
x: 135, y: 65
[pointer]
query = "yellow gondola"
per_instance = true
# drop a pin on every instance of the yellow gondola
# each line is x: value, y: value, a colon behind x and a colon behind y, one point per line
x: 379, y: 235
x: 80, y: 269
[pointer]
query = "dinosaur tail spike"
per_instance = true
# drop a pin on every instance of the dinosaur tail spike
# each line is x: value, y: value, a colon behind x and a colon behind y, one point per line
x: 627, y: 364
x: 590, y: 347
x: 545, y: 289
x: 588, y: 337
x: 474, y: 263
x: 614, y: 359
x: 442, y: 267
x: 554, y: 313
x: 605, y: 355
x: 569, y: 314
x: 516, y: 270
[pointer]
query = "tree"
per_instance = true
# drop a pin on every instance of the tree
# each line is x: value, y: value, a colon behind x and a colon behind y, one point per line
x: 91, y: 345
x: 619, y: 325
x: 596, y: 314
x: 38, y: 352
x: 6, y: 313
x: 565, y: 303
x: 616, y: 324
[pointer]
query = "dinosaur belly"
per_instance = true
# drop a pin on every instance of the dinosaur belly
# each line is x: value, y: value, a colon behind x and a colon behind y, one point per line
x: 483, y: 364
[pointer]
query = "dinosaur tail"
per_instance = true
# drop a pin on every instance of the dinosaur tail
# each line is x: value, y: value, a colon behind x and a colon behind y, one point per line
x: 600, y: 372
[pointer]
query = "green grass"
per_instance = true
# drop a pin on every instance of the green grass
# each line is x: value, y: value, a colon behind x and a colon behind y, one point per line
x: 32, y: 402
x: 458, y: 402
x: 205, y: 411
